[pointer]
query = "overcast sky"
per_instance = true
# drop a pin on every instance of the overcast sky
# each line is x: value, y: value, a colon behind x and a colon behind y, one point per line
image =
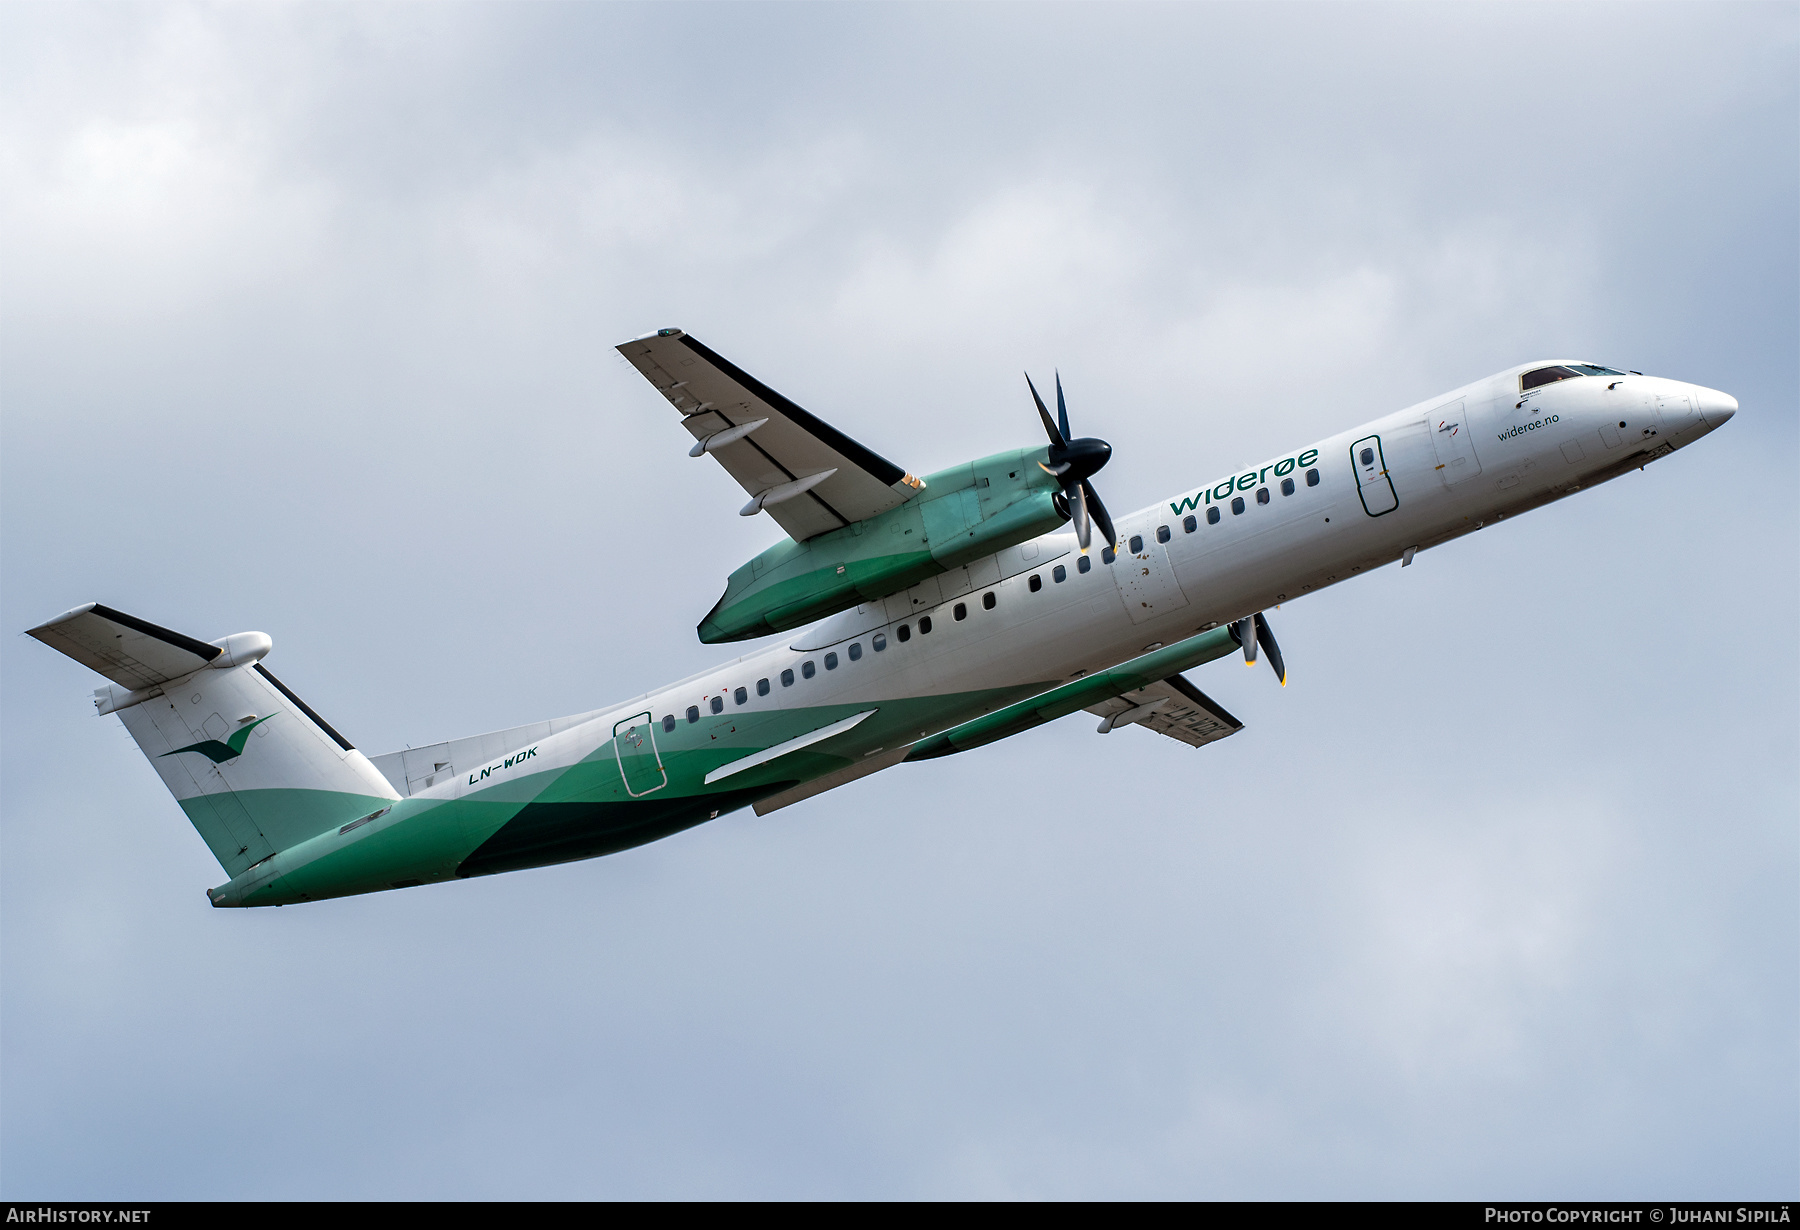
x: 306, y: 326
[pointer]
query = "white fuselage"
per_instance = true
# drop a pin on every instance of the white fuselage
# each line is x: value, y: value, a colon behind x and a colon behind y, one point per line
x: 1408, y: 481
x: 854, y: 693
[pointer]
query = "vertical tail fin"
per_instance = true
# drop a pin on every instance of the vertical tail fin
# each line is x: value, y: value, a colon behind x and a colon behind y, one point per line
x: 253, y: 767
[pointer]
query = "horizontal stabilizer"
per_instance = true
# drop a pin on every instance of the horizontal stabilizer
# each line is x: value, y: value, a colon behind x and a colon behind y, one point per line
x: 127, y: 650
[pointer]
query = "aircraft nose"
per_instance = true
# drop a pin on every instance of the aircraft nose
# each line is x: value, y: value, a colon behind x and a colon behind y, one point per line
x: 1715, y: 406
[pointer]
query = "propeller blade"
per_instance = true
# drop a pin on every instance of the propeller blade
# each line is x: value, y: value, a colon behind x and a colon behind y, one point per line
x: 1057, y: 439
x: 1074, y: 461
x: 1244, y: 632
x: 1266, y: 638
x: 1078, y: 513
x: 1098, y: 511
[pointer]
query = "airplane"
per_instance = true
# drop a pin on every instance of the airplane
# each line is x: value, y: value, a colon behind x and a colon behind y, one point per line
x: 912, y: 618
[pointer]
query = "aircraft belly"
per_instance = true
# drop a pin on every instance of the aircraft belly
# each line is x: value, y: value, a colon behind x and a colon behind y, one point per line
x: 545, y: 833
x: 558, y: 828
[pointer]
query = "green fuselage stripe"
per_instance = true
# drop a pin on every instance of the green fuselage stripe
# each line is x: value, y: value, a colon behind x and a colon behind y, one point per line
x: 585, y: 809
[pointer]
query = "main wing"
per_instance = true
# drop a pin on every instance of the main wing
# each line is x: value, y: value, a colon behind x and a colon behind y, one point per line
x: 1172, y: 707
x: 806, y: 474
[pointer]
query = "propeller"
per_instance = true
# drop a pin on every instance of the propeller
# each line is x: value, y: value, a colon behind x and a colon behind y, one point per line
x: 1074, y: 462
x: 1254, y: 632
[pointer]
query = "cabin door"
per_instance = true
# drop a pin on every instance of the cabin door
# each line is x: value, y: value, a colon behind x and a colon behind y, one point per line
x: 634, y: 743
x: 1372, y: 481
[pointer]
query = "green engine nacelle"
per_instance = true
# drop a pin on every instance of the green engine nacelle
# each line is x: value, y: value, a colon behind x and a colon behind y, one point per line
x: 964, y: 513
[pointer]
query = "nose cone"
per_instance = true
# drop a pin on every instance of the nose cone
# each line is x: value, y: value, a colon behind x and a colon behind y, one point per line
x: 1715, y: 407
x: 1086, y: 456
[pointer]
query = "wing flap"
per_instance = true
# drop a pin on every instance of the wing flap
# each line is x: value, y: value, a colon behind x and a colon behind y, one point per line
x: 129, y: 651
x: 716, y: 397
x: 1172, y: 707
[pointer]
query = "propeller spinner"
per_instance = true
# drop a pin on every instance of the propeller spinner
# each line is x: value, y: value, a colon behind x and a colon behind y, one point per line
x: 1075, y: 462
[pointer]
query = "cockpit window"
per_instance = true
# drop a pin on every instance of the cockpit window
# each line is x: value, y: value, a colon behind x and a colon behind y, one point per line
x: 1566, y: 371
x: 1546, y: 375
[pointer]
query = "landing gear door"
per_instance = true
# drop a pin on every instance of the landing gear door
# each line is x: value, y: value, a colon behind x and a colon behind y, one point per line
x: 1372, y: 481
x: 634, y: 743
x: 1454, y: 443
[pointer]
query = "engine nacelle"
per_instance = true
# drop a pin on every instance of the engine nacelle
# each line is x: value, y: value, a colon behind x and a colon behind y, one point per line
x: 964, y: 513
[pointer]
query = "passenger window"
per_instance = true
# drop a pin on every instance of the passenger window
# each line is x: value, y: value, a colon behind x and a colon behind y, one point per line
x: 1367, y: 457
x: 1059, y: 574
x: 807, y: 669
x: 1083, y: 564
x: 961, y: 612
x: 1287, y: 486
x: 1262, y: 495
x: 1312, y: 478
x: 762, y: 686
x: 1162, y: 533
x: 1106, y: 555
x: 718, y: 704
x: 1137, y: 543
x: 1188, y: 524
x: 1237, y: 505
x: 1036, y: 583
x: 741, y: 696
x: 668, y: 723
x: 924, y: 625
x: 787, y: 678
x: 904, y: 632
x: 855, y: 651
x: 831, y: 661
x: 987, y: 601
x: 879, y: 641
x: 1212, y: 515
x: 693, y: 714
